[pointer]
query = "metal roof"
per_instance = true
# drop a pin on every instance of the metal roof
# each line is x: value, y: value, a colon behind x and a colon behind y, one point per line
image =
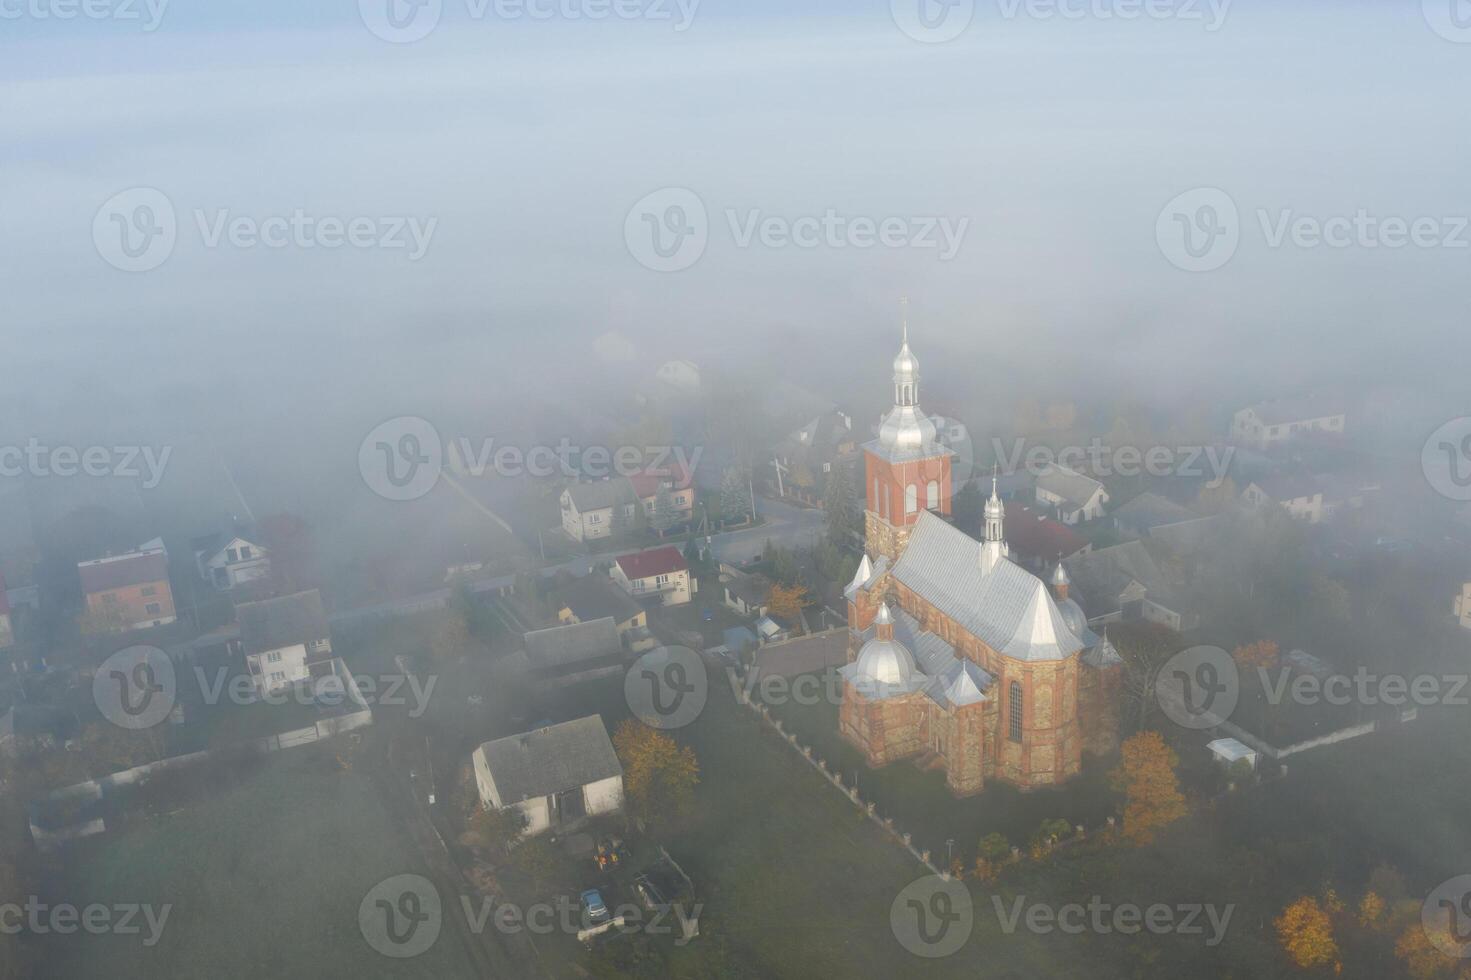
x: 562, y: 646
x: 284, y: 621
x: 550, y: 760
x: 1071, y: 486
x: 1007, y: 607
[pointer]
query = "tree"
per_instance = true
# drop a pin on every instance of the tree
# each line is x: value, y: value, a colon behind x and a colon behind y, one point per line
x: 659, y: 776
x: 449, y: 634
x: 735, y: 494
x: 840, y: 505
x: 497, y: 829
x: 1423, y: 950
x: 1152, y: 798
x: 788, y: 601
x: 1144, y: 647
x: 1306, y: 933
x: 665, y: 515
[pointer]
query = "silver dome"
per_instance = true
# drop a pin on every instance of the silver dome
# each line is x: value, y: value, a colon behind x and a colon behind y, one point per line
x: 885, y: 662
x: 1072, y: 615
x: 1060, y: 576
x: 906, y: 365
x: 906, y: 429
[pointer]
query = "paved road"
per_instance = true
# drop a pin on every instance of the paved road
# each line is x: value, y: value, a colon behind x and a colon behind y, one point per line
x: 785, y: 525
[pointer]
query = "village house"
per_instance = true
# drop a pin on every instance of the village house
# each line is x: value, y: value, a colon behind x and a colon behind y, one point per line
x: 590, y: 597
x: 1148, y: 511
x: 1301, y: 496
x: 563, y: 656
x: 285, y: 640
x: 673, y: 477
x: 1075, y: 497
x: 1037, y: 541
x: 555, y: 776
x: 746, y: 593
x: 127, y: 592
x: 803, y: 459
x: 588, y: 508
x: 959, y: 658
x: 1273, y: 423
x: 228, y: 562
x: 660, y: 573
x: 1124, y: 583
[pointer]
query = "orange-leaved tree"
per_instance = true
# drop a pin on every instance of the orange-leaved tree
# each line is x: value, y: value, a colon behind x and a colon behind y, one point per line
x: 659, y: 776
x: 1146, y: 777
x: 1305, y: 931
x: 788, y: 601
x: 1426, y: 951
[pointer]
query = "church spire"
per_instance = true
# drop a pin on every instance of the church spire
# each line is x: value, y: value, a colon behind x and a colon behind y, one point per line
x: 994, y: 548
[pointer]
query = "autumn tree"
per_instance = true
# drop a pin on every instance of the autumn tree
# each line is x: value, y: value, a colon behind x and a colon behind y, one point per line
x: 1262, y: 653
x: 659, y: 775
x: 1146, y: 776
x: 788, y: 601
x: 1424, y: 950
x: 1305, y: 931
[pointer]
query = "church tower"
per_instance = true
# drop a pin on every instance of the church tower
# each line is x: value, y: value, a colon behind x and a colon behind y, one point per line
x: 906, y: 469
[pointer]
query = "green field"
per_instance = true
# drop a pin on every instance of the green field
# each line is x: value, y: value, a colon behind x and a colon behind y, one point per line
x: 264, y: 879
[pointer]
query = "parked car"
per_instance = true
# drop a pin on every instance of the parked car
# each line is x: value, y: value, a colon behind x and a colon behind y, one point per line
x: 593, y: 907
x: 649, y: 894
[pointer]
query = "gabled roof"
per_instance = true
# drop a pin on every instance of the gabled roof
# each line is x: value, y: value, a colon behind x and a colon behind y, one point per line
x: 565, y: 646
x: 1008, y: 608
x: 120, y: 571
x: 656, y: 561
x: 753, y: 589
x: 673, y: 472
x: 1149, y: 511
x: 1071, y: 486
x: 962, y: 683
x: 271, y: 624
x: 551, y: 760
x: 600, y: 495
x: 1296, y: 486
x: 1037, y: 535
x: 595, y: 596
x: 1103, y: 575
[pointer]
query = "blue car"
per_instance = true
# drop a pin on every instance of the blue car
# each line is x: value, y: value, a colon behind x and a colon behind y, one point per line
x: 593, y: 907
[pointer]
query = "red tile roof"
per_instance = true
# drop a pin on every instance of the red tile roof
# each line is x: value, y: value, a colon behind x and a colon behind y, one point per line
x: 646, y: 483
x: 658, y: 561
x: 137, y: 568
x: 1037, y: 536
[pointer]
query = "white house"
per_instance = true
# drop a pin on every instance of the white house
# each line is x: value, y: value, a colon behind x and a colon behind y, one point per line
x: 228, y: 563
x: 557, y: 776
x: 660, y: 572
x: 1078, y: 498
x: 1463, y: 606
x: 1269, y: 424
x: 588, y: 508
x: 285, y: 639
x: 1300, y: 496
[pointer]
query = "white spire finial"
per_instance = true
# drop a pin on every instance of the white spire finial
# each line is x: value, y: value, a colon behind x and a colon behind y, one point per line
x: 904, y: 319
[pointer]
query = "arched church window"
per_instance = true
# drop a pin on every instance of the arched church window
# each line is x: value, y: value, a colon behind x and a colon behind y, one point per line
x: 1014, y: 709
x: 911, y: 499
x: 932, y: 495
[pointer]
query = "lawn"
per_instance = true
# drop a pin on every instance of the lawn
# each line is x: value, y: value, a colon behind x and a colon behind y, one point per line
x: 265, y: 879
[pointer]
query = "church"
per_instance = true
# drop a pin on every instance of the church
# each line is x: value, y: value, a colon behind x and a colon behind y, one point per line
x: 958, y: 658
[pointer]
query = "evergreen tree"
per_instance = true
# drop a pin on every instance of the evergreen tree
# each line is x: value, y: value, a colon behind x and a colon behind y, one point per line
x: 666, y: 515
x: 735, y: 495
x: 840, y: 503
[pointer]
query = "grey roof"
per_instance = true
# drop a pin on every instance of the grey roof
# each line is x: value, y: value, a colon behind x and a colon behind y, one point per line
x: 1102, y: 577
x: 961, y: 684
x: 600, y: 495
x: 936, y: 661
x: 1300, y: 408
x: 1149, y: 510
x: 284, y: 621
x: 563, y: 646
x: 550, y: 760
x: 1293, y: 486
x: 753, y: 589
x: 1071, y: 486
x: 596, y: 596
x: 1007, y: 607
x: 737, y: 637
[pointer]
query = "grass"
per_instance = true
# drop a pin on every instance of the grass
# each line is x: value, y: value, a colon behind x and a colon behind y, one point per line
x: 264, y: 879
